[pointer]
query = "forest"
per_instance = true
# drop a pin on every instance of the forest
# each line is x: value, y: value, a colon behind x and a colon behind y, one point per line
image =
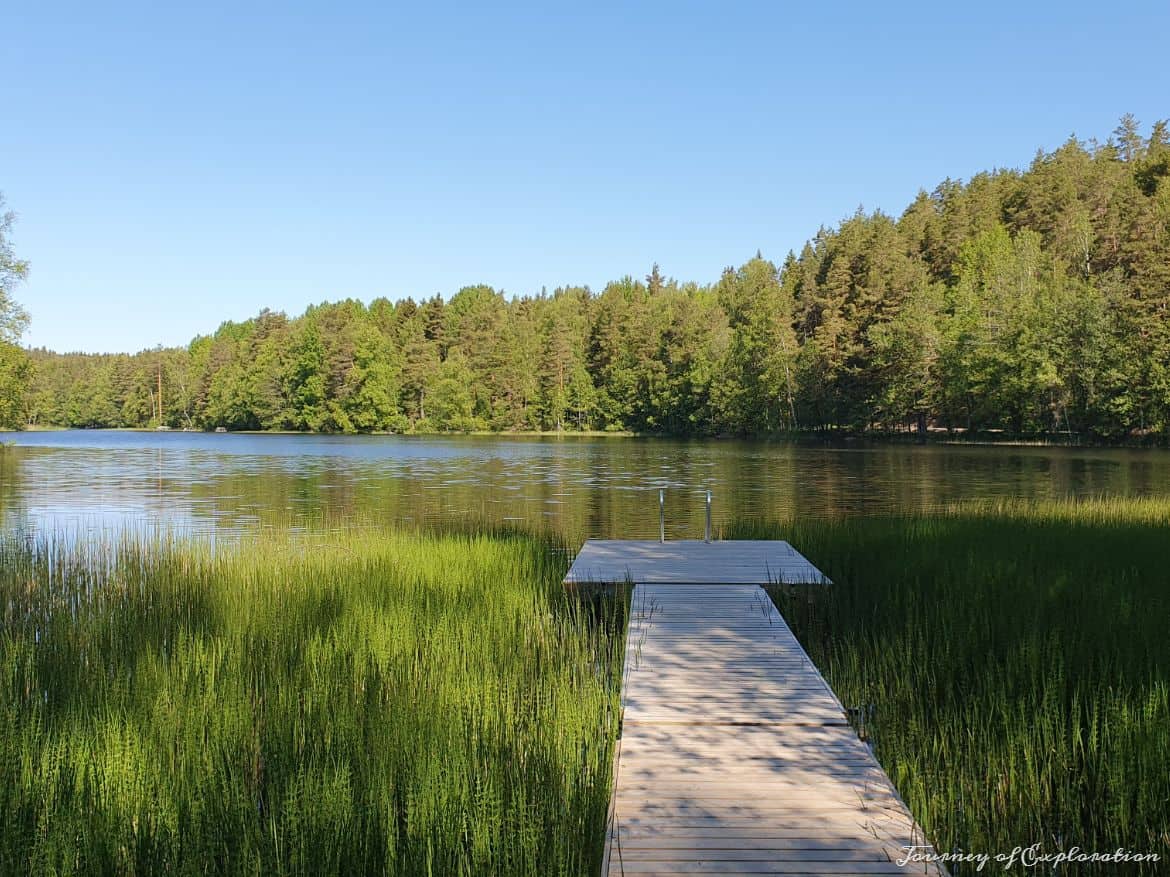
x: 1024, y: 301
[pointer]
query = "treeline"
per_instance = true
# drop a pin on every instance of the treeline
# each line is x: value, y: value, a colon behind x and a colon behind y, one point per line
x: 1034, y: 301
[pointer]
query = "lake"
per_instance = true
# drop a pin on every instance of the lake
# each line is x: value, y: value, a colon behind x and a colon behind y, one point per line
x: 226, y: 484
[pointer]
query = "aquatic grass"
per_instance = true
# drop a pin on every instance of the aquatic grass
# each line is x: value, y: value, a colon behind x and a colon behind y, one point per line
x: 1010, y: 664
x: 359, y: 703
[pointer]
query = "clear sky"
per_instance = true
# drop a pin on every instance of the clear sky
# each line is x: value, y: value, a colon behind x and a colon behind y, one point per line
x: 176, y: 165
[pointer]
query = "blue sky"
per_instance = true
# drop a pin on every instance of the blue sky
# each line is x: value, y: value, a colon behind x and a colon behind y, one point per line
x: 175, y: 167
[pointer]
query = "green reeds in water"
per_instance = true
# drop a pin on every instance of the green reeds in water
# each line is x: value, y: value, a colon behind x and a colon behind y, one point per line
x: 1010, y: 665
x: 391, y: 703
x: 366, y: 703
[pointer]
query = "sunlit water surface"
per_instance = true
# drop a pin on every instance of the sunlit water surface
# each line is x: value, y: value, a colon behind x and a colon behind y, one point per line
x: 227, y: 484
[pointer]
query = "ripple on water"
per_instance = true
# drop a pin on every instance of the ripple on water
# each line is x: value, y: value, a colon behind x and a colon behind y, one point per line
x: 196, y: 483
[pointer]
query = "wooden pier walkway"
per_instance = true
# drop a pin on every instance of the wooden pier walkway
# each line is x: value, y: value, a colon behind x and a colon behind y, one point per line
x: 735, y: 755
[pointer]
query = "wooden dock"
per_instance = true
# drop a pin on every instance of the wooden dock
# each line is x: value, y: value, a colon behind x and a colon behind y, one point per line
x: 735, y: 755
x: 747, y: 562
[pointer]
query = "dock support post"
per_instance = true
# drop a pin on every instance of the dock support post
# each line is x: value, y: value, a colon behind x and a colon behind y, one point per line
x: 661, y: 515
x: 707, y: 538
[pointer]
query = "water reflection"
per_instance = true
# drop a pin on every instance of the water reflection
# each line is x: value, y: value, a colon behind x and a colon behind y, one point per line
x: 226, y: 484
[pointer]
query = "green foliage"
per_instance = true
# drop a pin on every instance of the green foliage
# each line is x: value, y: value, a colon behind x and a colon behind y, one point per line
x: 14, y: 377
x: 1027, y: 302
x: 305, y: 379
x: 756, y: 380
x: 369, y: 396
x: 14, y: 364
x: 370, y: 703
x: 451, y: 401
x: 13, y: 319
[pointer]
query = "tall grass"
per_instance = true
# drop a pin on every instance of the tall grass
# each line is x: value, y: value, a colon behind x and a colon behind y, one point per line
x: 363, y: 704
x: 394, y: 703
x: 1010, y: 665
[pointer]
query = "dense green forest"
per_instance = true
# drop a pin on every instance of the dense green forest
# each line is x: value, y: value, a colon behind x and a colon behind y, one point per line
x: 1026, y: 301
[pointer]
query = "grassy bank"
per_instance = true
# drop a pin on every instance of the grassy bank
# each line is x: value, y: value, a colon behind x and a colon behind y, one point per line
x: 367, y: 704
x: 1010, y: 666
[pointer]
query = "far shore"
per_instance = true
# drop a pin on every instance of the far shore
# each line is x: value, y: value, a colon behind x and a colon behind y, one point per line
x: 832, y: 437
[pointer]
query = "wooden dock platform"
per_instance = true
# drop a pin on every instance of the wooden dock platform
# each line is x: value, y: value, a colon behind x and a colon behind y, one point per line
x: 752, y: 562
x: 735, y: 755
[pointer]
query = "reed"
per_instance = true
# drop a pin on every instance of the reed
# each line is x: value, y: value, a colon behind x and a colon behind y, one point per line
x: 360, y: 703
x: 370, y: 702
x: 1008, y: 662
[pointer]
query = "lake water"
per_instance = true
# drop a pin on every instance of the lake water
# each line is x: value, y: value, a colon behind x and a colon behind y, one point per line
x: 229, y: 483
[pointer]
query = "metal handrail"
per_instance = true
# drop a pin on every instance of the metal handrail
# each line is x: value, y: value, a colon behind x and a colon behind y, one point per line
x: 662, y: 516
x: 707, y: 536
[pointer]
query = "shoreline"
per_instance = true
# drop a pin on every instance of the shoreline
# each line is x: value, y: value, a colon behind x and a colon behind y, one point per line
x: 830, y: 438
